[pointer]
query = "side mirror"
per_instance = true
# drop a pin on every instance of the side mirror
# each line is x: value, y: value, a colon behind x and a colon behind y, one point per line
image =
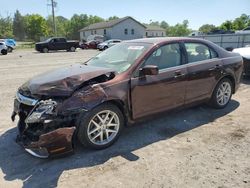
x: 149, y: 70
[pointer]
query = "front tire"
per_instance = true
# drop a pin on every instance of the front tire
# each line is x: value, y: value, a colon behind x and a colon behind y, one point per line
x: 4, y: 52
x: 101, y: 127
x: 45, y: 50
x: 222, y: 94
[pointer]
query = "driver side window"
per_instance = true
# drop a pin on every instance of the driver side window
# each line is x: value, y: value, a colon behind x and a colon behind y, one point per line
x: 165, y: 57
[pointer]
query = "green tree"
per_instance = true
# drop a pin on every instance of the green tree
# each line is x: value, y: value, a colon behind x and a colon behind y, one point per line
x: 18, y: 26
x: 206, y: 28
x: 78, y: 22
x: 241, y: 22
x: 36, y: 27
x: 179, y: 29
x: 6, y: 27
x: 61, y: 24
x: 227, y: 25
x: 95, y: 19
x: 164, y: 25
x: 113, y: 18
x: 155, y: 23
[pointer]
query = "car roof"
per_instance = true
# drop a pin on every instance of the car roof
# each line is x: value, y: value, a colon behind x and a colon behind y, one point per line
x: 159, y: 40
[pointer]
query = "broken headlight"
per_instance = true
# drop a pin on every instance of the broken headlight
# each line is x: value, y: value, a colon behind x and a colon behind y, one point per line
x: 41, y: 111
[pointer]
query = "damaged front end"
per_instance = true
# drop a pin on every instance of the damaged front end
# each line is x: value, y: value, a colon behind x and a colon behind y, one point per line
x: 48, y: 106
x: 43, y: 132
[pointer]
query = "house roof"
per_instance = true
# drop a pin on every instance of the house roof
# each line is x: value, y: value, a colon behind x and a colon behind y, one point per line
x: 108, y: 24
x: 154, y: 28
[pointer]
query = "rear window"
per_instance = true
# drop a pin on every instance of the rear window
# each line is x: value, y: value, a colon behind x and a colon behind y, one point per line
x: 199, y: 52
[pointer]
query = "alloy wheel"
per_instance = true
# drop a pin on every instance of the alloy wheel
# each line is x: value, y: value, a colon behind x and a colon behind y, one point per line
x: 103, y: 127
x: 223, y: 93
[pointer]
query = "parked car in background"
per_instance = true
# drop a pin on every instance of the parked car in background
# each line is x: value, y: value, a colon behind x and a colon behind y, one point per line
x: 96, y: 38
x: 245, y: 53
x: 53, y: 44
x: 10, y: 43
x: 90, y: 44
x: 3, y: 48
x: 246, y: 30
x: 196, y: 33
x: 107, y: 44
x: 132, y: 80
x: 220, y: 31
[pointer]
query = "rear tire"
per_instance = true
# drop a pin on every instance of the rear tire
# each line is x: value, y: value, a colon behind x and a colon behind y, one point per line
x: 222, y: 94
x: 105, y: 48
x: 10, y: 49
x: 72, y: 49
x: 100, y: 127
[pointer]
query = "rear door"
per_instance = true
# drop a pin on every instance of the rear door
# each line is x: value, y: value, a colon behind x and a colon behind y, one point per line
x: 62, y: 44
x: 157, y: 93
x: 204, y: 68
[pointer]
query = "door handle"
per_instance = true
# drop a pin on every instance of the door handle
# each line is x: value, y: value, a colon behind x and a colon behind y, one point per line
x: 178, y: 74
x: 215, y: 67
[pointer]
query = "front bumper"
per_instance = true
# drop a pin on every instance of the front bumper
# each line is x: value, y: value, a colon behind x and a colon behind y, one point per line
x: 50, y: 144
x: 52, y: 137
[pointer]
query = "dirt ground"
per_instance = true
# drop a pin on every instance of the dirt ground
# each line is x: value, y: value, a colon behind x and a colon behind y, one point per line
x: 197, y: 147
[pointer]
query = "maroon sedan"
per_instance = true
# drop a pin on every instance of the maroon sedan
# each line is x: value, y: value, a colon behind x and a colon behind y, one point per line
x: 90, y: 44
x: 93, y: 101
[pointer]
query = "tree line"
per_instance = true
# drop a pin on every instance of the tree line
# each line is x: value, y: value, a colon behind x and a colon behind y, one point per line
x: 33, y: 26
x: 182, y: 29
x: 238, y: 23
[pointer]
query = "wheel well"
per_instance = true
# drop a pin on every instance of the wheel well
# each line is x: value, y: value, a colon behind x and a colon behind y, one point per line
x: 231, y: 78
x: 120, y: 104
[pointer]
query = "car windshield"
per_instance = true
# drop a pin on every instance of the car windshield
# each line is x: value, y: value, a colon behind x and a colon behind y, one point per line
x: 48, y: 40
x: 119, y: 57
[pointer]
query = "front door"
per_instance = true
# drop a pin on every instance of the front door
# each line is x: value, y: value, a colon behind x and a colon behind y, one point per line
x: 157, y: 93
x: 52, y: 44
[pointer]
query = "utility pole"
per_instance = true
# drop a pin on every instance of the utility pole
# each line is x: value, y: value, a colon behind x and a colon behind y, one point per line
x: 53, y: 5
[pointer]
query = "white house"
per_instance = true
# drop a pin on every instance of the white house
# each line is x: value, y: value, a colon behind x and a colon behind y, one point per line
x: 126, y: 28
x: 154, y: 31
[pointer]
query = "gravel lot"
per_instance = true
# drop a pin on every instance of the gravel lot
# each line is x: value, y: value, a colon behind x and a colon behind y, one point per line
x: 197, y: 147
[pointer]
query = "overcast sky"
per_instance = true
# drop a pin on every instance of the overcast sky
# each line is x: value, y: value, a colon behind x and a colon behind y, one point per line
x: 198, y: 12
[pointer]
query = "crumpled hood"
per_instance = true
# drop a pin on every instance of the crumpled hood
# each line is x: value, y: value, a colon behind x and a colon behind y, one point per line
x: 63, y: 81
